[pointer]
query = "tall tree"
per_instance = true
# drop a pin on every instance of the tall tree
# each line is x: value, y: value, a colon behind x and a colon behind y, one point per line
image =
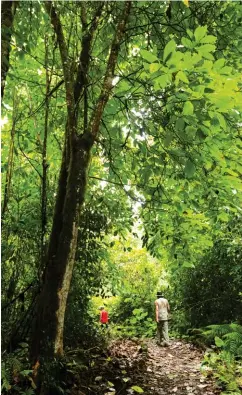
x: 48, y: 333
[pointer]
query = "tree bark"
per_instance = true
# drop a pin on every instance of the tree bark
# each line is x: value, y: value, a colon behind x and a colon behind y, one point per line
x: 7, y: 15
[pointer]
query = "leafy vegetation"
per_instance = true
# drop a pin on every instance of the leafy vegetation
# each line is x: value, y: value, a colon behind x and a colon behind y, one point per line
x: 121, y: 176
x: 225, y: 365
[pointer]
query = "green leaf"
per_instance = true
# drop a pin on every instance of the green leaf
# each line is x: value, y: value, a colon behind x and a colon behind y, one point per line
x: 181, y: 76
x: 148, y: 56
x: 227, y: 70
x: 188, y: 265
x: 190, y: 33
x: 154, y: 67
x: 200, y: 33
x: 180, y: 124
x: 137, y: 389
x: 187, y: 43
x: 189, y: 169
x: 191, y: 130
x: 208, y: 40
x: 161, y: 81
x: 219, y: 342
x: 169, y: 48
x: 188, y: 108
x: 206, y: 48
x: 222, y: 121
x: 218, y: 64
x: 224, y: 217
x: 168, y: 139
x: 123, y: 86
x: 26, y: 372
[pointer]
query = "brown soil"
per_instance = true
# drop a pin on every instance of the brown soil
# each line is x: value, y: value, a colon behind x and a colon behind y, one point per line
x: 173, y: 370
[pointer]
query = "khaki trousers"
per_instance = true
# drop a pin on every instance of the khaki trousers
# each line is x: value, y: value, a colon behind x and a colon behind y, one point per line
x: 162, y: 332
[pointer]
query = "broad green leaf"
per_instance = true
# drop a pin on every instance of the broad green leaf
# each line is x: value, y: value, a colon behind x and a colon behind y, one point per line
x: 208, y: 40
x: 154, y: 67
x: 137, y: 389
x: 169, y: 48
x: 206, y: 48
x: 180, y: 124
x: 181, y: 76
x: 187, y: 43
x: 168, y: 139
x: 188, y: 108
x: 148, y: 56
x: 227, y: 70
x: 161, y: 81
x: 218, y: 64
x: 189, y: 169
x: 191, y: 130
x: 200, y: 33
x: 219, y: 342
x: 174, y: 61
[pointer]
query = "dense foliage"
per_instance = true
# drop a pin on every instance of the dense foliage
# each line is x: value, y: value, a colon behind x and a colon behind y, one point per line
x: 121, y: 137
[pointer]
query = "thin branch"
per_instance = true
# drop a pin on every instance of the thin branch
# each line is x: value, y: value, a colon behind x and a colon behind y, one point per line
x: 17, y: 297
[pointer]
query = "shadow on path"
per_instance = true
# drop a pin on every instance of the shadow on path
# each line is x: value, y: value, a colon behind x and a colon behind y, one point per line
x: 173, y: 370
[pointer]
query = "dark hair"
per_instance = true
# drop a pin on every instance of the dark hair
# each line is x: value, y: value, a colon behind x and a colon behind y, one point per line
x: 159, y: 293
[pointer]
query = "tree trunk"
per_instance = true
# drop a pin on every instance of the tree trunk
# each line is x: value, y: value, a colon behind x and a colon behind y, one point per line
x: 9, y: 172
x: 7, y: 16
x: 48, y: 333
x: 47, y: 338
x: 44, y: 161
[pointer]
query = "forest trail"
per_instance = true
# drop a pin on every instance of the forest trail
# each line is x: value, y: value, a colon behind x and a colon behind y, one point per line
x: 131, y: 367
x: 173, y: 370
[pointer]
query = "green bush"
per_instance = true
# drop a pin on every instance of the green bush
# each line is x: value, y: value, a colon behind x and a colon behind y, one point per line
x: 210, y: 293
x: 226, y: 361
x: 15, y: 372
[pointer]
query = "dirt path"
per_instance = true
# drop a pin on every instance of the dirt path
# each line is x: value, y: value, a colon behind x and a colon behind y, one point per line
x: 130, y: 368
x: 169, y: 370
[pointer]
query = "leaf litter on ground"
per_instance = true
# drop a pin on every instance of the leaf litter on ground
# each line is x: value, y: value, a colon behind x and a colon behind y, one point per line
x: 132, y: 367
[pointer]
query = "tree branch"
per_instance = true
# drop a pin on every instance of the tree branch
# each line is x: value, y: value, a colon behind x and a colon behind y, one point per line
x: 109, y: 75
x: 68, y: 77
x: 84, y: 60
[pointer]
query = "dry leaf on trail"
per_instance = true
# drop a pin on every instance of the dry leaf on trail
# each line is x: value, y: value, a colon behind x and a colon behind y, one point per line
x: 202, y: 385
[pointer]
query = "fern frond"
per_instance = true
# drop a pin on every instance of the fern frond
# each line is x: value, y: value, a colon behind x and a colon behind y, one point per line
x: 231, y: 334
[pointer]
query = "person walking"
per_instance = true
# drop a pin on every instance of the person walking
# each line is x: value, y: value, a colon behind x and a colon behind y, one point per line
x: 162, y: 309
x: 103, y: 317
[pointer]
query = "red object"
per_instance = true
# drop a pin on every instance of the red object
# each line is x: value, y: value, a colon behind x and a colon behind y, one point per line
x: 104, y: 317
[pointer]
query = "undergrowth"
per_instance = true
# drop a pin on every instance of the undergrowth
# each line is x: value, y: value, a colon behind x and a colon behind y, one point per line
x: 225, y: 362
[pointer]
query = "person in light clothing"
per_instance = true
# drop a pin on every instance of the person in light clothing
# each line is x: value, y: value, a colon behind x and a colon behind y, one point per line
x: 162, y: 310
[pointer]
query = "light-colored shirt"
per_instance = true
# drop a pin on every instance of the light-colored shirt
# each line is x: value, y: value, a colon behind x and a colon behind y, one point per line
x: 162, y: 309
